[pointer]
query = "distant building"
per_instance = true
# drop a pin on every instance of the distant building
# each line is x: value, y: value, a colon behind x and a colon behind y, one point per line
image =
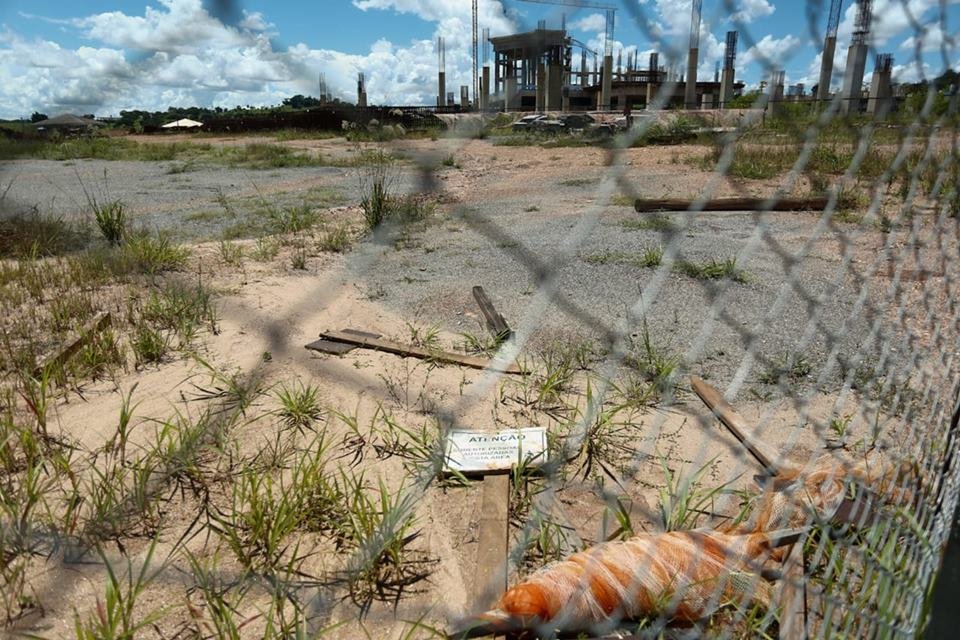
x: 66, y: 123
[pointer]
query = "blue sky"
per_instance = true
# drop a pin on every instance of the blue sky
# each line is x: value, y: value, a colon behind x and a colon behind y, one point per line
x: 103, y: 56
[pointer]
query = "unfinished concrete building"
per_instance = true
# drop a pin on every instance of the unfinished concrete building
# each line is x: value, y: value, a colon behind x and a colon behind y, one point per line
x: 533, y: 71
x: 880, y: 102
x: 852, y: 92
x: 829, y: 49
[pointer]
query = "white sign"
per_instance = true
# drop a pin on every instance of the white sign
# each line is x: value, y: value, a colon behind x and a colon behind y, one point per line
x: 477, y: 451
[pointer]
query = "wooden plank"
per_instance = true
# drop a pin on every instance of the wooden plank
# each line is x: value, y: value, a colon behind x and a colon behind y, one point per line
x: 491, y: 574
x: 335, y: 347
x: 732, y: 204
x: 735, y: 423
x: 59, y: 357
x: 381, y: 344
x: 496, y: 323
x: 793, y: 596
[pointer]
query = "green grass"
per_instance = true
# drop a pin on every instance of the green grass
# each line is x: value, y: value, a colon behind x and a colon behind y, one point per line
x: 578, y: 182
x: 37, y: 235
x: 788, y: 368
x: 711, y: 270
x: 622, y: 200
x: 650, y: 257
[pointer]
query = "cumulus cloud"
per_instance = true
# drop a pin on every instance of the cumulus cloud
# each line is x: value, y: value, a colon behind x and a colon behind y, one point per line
x: 749, y: 10
x: 595, y: 22
x: 771, y: 52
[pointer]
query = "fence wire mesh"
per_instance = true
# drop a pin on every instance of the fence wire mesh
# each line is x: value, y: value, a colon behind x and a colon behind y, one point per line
x: 250, y: 488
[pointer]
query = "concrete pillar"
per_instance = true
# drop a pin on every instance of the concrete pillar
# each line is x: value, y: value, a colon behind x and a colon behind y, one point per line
x: 541, y: 88
x: 826, y: 68
x: 690, y: 88
x: 707, y: 101
x: 727, y: 78
x: 511, y: 98
x: 362, y: 100
x: 853, y: 78
x: 464, y: 96
x: 775, y: 93
x: 554, y: 87
x: 485, y: 89
x: 441, y: 89
x: 879, y: 102
x: 606, y: 86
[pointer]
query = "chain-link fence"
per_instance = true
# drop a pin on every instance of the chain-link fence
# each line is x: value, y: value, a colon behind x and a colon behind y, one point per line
x: 751, y: 413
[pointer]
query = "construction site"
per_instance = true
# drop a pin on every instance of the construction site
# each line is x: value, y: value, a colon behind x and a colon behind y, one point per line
x: 596, y: 347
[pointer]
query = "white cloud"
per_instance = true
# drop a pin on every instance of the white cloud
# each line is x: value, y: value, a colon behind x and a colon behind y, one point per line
x: 595, y: 22
x: 750, y: 10
x: 771, y: 52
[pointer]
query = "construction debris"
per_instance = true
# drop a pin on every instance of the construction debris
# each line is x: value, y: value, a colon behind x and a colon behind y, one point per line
x: 495, y: 321
x: 338, y: 348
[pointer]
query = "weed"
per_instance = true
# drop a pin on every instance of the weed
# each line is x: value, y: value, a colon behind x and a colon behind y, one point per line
x: 531, y: 209
x: 149, y: 345
x: 376, y: 184
x: 336, y: 239
x: 658, y: 367
x: 650, y: 257
x: 789, y: 368
x: 293, y: 219
x: 578, y: 182
x: 231, y: 253
x: 265, y: 249
x: 153, y: 253
x: 485, y: 345
x: 298, y: 259
x: 684, y: 498
x: 35, y: 235
x: 299, y: 405
x: 622, y: 200
x: 712, y: 270
x: 839, y: 426
x: 111, y: 219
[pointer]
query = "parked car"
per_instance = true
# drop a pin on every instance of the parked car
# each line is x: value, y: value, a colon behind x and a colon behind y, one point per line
x: 525, y: 123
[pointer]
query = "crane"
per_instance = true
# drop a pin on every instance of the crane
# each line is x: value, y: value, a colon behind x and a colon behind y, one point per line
x: 609, y: 11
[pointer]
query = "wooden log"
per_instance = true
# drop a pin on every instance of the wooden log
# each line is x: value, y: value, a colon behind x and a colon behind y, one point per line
x: 496, y: 323
x: 732, y: 204
x: 735, y: 423
x: 381, y: 344
x: 491, y: 573
x: 59, y: 357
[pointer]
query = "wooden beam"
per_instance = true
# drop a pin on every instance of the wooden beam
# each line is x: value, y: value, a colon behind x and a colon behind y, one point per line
x: 735, y: 423
x: 338, y: 348
x: 60, y: 356
x: 491, y: 573
x: 496, y: 323
x: 381, y: 344
x: 732, y: 204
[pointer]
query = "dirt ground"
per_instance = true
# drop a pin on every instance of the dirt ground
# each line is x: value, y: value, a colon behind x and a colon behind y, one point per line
x: 551, y: 236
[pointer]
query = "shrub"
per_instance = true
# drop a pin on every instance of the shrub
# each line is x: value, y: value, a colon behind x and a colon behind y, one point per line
x: 111, y: 218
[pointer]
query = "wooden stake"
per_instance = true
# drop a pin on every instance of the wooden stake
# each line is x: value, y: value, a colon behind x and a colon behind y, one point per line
x: 735, y: 424
x: 793, y: 596
x: 496, y: 323
x: 381, y: 344
x: 733, y: 204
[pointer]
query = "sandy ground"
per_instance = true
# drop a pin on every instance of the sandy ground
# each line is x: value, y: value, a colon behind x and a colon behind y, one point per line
x: 521, y: 222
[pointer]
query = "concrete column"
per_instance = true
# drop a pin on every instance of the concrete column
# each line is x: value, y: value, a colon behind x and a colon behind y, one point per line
x: 826, y: 68
x: 441, y: 89
x: 554, y: 87
x: 707, y: 101
x: 511, y: 98
x: 541, y: 87
x: 727, y: 78
x: 690, y: 88
x: 776, y: 94
x: 464, y: 96
x: 606, y: 86
x: 853, y: 78
x: 362, y: 100
x: 879, y: 102
x: 651, y: 93
x: 485, y: 89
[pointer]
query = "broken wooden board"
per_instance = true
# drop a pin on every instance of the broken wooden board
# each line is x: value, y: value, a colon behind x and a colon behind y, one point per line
x: 59, y: 357
x: 478, y: 452
x: 413, y: 351
x: 496, y: 323
x: 793, y: 596
x: 735, y: 423
x: 338, y: 348
x: 731, y: 204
